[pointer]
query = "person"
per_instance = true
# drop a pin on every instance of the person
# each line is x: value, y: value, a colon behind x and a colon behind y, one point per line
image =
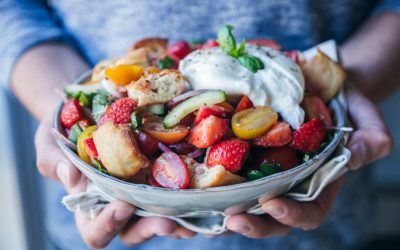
x: 46, y: 45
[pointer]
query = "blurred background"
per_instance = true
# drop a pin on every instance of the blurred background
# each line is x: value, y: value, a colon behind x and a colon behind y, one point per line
x: 21, y: 212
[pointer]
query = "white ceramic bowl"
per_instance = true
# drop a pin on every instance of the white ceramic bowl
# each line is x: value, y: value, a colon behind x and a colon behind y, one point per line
x: 237, y: 197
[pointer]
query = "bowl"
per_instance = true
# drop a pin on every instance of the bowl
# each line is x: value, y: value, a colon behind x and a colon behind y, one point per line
x: 237, y: 198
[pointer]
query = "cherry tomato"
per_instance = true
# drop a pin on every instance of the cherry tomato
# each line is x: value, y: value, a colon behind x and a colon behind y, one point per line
x: 147, y: 144
x: 211, y: 43
x: 179, y: 49
x: 315, y: 107
x: 206, y: 111
x: 166, y: 135
x: 266, y: 42
x: 227, y: 106
x: 124, y: 74
x: 87, y: 133
x: 293, y: 55
x: 253, y: 122
x: 170, y: 171
x: 245, y: 103
x: 286, y: 157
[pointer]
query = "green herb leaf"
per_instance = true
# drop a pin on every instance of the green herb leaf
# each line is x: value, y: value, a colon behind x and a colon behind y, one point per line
x: 84, y: 99
x: 251, y: 63
x: 227, y: 41
x: 165, y: 63
x: 254, y: 175
x: 135, y: 120
x: 76, y: 131
x: 99, y: 104
x: 98, y: 165
x: 306, y: 157
x: 242, y: 47
x: 270, y: 168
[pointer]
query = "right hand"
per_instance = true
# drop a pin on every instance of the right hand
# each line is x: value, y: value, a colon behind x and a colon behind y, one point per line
x: 115, y: 218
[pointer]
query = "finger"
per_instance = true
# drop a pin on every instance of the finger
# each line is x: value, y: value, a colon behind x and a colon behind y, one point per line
x: 98, y: 232
x: 305, y: 215
x: 372, y: 139
x: 256, y: 226
x: 227, y: 233
x: 182, y: 233
x: 146, y: 228
x: 50, y: 161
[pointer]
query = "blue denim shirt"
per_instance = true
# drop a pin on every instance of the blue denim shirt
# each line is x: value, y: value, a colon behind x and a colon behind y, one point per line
x: 100, y: 29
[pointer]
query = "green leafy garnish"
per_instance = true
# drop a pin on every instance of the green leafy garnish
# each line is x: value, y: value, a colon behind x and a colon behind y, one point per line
x: 227, y: 43
x: 99, y: 104
x: 98, y: 165
x: 165, y: 63
x: 135, y: 120
x: 270, y: 168
x: 84, y: 99
x: 254, y: 175
x: 76, y: 131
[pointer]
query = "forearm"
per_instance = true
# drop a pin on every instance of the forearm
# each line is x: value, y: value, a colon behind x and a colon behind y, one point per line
x: 40, y: 71
x: 372, y: 56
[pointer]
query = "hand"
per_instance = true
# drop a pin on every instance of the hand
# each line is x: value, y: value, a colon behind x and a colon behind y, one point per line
x: 371, y: 139
x: 115, y: 218
x: 283, y: 214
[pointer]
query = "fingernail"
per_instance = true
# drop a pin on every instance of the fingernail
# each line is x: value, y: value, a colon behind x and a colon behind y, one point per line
x: 123, y: 214
x: 359, y: 155
x: 275, y: 211
x: 63, y: 173
x: 241, y: 229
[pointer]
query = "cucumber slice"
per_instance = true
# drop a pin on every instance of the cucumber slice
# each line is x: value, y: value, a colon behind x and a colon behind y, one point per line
x: 192, y: 104
x: 157, y: 109
x: 74, y: 89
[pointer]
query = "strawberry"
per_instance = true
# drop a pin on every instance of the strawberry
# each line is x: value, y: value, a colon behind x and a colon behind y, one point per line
x: 71, y: 113
x: 180, y: 49
x: 279, y: 135
x: 286, y: 157
x: 315, y: 107
x: 206, y: 111
x: 119, y: 112
x: 309, y: 136
x: 245, y: 103
x: 229, y: 153
x: 90, y: 148
x: 208, y: 132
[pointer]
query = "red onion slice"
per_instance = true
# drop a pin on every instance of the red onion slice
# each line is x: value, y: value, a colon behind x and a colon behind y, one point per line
x: 58, y: 136
x: 184, y: 96
x: 196, y: 153
x: 163, y: 147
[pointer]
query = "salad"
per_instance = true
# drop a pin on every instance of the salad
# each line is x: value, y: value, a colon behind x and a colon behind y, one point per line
x: 202, y: 114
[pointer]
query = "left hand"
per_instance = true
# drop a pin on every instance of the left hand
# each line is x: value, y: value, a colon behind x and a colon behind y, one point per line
x: 283, y: 214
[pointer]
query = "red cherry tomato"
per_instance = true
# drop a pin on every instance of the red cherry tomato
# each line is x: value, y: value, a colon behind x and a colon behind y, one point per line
x: 266, y: 42
x: 153, y: 182
x: 210, y: 44
x: 147, y: 144
x: 179, y: 49
x: 245, y: 103
x: 170, y: 171
x: 285, y: 156
x: 206, y: 111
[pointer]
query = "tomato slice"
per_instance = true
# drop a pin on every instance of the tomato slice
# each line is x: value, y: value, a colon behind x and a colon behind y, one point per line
x: 206, y: 111
x: 166, y: 135
x: 124, y: 74
x: 266, y: 42
x: 245, y: 103
x: 87, y: 133
x: 253, y: 122
x: 170, y: 171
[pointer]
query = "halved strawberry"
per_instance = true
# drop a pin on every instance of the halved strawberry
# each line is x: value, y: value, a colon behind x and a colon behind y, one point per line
x: 245, y: 103
x: 206, y: 111
x: 71, y: 113
x: 119, y: 112
x: 208, y: 132
x: 90, y: 148
x: 315, y: 107
x: 229, y: 153
x: 279, y: 135
x: 309, y: 136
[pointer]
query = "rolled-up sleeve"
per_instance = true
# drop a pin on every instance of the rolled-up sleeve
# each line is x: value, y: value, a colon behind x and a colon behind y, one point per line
x: 23, y: 24
x: 387, y: 6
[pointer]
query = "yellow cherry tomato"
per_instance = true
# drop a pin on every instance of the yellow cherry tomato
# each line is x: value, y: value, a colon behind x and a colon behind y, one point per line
x: 124, y: 74
x: 153, y: 70
x: 87, y: 133
x: 253, y: 122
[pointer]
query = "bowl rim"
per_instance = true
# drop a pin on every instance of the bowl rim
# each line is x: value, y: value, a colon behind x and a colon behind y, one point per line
x: 329, y: 149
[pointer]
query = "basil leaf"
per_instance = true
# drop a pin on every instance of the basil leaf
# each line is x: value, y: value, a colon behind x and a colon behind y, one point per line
x: 99, y: 104
x: 135, y: 120
x: 251, y: 63
x: 270, y: 168
x: 165, y: 63
x: 306, y: 157
x: 254, y: 175
x: 98, y: 165
x: 84, y: 99
x: 226, y: 40
x: 242, y: 47
x: 76, y: 131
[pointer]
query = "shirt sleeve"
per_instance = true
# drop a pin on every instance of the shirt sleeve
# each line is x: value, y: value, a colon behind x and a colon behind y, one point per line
x: 23, y: 24
x: 387, y: 5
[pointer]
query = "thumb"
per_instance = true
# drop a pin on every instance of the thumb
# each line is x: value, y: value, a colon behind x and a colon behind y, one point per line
x: 50, y: 160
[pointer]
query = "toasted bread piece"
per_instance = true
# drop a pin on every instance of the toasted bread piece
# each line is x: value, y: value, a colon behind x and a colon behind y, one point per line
x: 138, y: 56
x: 156, y: 46
x: 97, y: 73
x: 324, y: 77
x: 156, y: 88
x: 203, y: 177
x: 118, y: 150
